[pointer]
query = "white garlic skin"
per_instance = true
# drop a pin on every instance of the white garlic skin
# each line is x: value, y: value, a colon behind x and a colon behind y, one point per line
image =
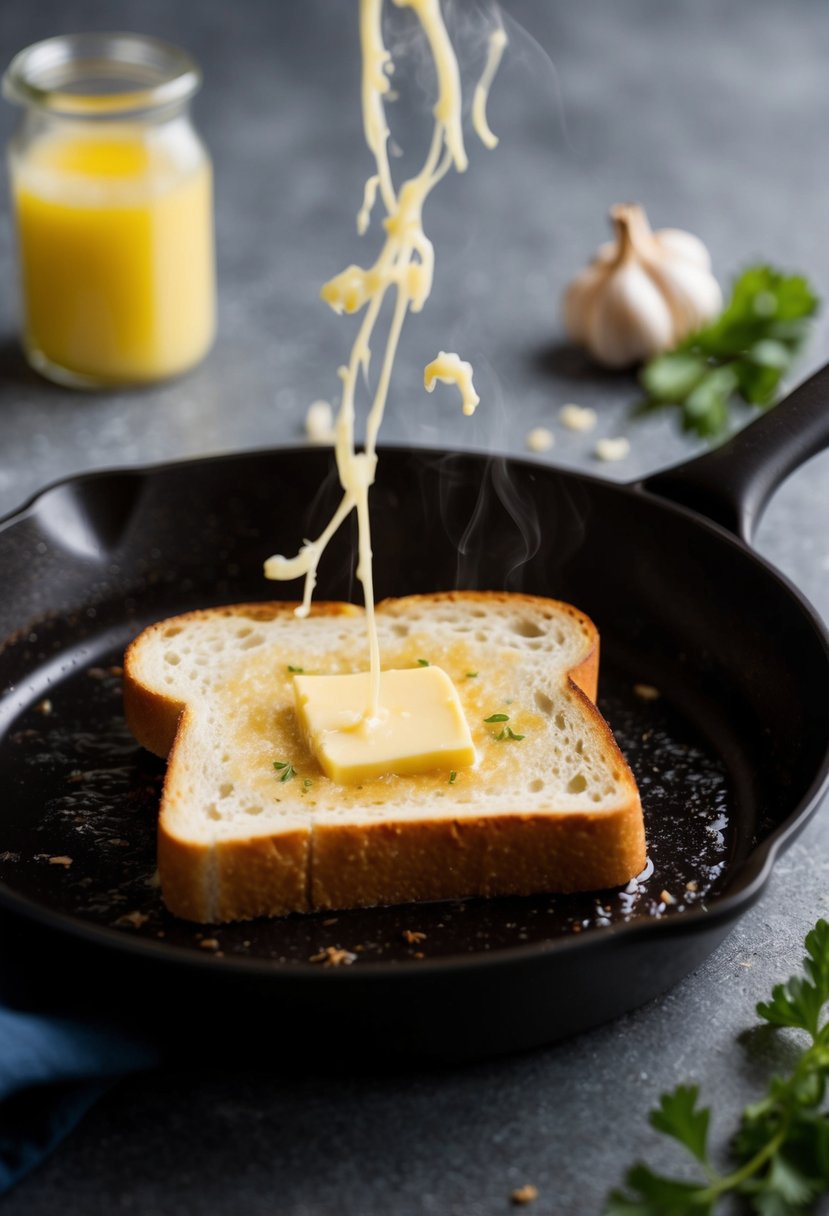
x: 642, y: 293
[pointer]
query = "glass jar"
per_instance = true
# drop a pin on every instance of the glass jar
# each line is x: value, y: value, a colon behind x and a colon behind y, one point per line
x: 112, y: 192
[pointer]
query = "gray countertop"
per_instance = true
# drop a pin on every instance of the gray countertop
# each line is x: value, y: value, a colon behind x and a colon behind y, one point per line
x: 714, y: 116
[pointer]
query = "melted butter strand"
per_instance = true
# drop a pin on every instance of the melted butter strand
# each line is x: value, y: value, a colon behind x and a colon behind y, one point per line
x: 447, y: 109
x: 450, y: 369
x: 377, y: 63
x: 497, y: 42
x: 405, y: 266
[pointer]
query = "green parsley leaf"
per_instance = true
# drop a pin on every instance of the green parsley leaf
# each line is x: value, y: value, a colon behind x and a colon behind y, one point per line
x: 497, y: 718
x: 652, y: 1195
x: 297, y: 671
x: 743, y: 354
x: 285, y: 769
x: 508, y: 733
x: 453, y: 776
x: 798, y: 1002
x: 677, y: 1115
x: 471, y: 675
x: 423, y: 663
x: 307, y: 783
x: 780, y: 1154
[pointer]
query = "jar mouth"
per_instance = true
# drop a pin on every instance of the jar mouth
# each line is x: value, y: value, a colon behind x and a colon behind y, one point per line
x: 101, y: 75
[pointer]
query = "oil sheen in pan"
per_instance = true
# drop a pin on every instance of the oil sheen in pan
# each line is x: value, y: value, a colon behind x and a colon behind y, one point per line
x: 80, y: 839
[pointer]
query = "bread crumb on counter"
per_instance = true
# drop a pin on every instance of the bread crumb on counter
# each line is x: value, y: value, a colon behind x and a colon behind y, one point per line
x: 540, y: 439
x: 612, y: 449
x: 44, y: 707
x: 577, y: 417
x: 646, y: 692
x: 524, y: 1194
x: 413, y: 936
x: 60, y: 861
x: 209, y: 943
x: 333, y: 956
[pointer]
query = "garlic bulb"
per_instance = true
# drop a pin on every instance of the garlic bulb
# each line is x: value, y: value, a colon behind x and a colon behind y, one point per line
x: 642, y: 293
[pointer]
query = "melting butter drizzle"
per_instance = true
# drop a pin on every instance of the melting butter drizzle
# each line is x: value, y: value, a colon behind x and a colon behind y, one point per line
x: 405, y: 264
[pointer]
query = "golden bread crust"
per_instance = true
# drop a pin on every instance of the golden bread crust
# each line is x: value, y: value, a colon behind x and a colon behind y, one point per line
x: 520, y: 853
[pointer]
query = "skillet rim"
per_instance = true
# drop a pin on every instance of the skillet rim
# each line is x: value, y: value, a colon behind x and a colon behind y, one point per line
x: 750, y: 876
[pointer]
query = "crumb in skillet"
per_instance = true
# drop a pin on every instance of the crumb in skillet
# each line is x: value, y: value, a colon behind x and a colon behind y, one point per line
x: 25, y: 736
x: 666, y: 897
x: 44, y: 707
x: 119, y: 842
x: 413, y: 936
x: 135, y: 919
x: 332, y: 956
x: 524, y: 1194
x: 62, y: 860
x: 209, y: 943
x: 646, y: 692
x: 332, y: 920
x: 9, y: 857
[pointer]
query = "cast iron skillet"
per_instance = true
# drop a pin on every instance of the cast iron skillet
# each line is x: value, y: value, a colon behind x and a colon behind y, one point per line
x: 732, y: 758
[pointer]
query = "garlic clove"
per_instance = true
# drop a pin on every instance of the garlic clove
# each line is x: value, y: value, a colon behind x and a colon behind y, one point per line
x: 577, y: 304
x: 608, y: 251
x: 693, y: 295
x: 677, y: 243
x: 630, y: 319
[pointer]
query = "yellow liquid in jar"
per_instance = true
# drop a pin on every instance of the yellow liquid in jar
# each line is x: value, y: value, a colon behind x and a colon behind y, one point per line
x: 116, y: 257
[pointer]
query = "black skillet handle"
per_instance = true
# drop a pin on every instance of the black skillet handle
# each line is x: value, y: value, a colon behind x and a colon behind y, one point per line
x: 733, y: 483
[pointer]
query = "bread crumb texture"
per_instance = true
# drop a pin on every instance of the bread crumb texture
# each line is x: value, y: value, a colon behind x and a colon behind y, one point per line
x: 250, y: 825
x: 524, y: 1194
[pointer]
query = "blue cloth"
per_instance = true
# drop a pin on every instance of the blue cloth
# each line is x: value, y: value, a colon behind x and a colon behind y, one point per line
x: 52, y: 1070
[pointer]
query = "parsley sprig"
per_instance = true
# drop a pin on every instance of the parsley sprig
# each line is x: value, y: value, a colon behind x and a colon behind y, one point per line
x: 780, y: 1153
x: 508, y: 733
x: 743, y: 354
x: 284, y: 769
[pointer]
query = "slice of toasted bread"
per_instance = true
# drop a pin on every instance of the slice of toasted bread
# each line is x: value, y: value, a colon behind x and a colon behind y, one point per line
x: 556, y: 810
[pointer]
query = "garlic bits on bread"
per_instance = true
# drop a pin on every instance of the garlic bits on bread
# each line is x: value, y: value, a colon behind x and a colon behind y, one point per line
x: 250, y: 824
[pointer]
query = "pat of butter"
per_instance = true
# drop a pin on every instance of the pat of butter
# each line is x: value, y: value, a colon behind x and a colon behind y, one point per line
x: 419, y: 726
